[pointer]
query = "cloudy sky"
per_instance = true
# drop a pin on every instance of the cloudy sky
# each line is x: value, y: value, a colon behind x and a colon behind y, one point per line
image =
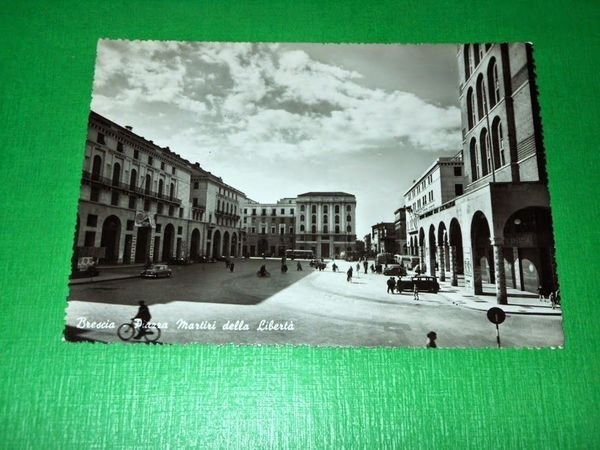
x: 277, y: 120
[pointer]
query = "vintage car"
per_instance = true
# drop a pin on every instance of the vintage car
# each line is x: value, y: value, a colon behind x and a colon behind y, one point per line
x: 397, y: 270
x: 424, y: 283
x: 156, y: 271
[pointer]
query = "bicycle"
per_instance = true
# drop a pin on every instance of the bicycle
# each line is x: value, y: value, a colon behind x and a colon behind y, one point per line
x: 127, y: 331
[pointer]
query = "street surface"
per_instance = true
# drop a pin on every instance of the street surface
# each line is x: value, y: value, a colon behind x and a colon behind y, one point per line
x: 207, y: 303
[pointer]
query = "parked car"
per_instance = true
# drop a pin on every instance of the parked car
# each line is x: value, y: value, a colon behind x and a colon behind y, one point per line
x: 395, y: 270
x: 180, y: 261
x: 156, y: 271
x: 424, y: 283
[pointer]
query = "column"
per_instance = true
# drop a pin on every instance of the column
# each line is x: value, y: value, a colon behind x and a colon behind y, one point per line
x: 442, y: 262
x: 452, y: 258
x: 517, y: 269
x: 431, y: 262
x: 499, y: 271
x: 421, y: 251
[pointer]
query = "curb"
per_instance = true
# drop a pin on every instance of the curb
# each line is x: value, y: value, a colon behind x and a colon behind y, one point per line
x: 90, y: 281
x: 523, y: 313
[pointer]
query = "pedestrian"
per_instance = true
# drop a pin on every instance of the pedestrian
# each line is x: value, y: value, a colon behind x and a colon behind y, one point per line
x: 284, y: 268
x: 231, y: 264
x: 357, y: 268
x: 540, y: 292
x: 431, y: 337
x: 349, y: 275
x: 391, y: 284
x: 298, y: 266
x: 552, y: 298
x: 415, y: 292
x: 557, y: 297
x: 399, y: 285
x: 366, y: 265
x: 372, y: 268
x: 334, y: 267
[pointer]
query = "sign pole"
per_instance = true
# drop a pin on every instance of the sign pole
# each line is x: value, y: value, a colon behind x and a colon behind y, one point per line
x: 498, y: 335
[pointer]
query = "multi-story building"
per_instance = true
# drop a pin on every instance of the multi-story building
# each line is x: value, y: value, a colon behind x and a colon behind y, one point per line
x: 140, y: 202
x: 441, y: 182
x: 269, y: 227
x: 400, y: 230
x: 217, y: 206
x: 499, y: 232
x: 326, y: 223
x: 383, y: 237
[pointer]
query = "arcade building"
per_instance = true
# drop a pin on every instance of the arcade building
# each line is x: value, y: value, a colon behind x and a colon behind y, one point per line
x: 498, y: 232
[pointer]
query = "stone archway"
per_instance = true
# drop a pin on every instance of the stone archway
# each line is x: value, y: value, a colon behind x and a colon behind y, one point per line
x: 443, y: 259
x: 111, y: 232
x: 195, y: 245
x: 216, y: 244
x: 528, y: 250
x: 482, y: 256
x: 432, y: 251
x: 226, y: 242
x: 455, y: 249
x: 234, y: 245
x: 168, y: 240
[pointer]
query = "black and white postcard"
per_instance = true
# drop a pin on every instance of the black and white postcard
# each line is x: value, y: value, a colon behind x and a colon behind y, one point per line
x: 362, y: 195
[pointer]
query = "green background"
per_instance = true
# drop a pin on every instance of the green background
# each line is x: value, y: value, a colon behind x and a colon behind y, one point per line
x: 59, y: 395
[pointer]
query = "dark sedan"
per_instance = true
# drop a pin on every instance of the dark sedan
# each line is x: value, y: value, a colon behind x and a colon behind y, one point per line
x: 424, y: 283
x: 156, y: 271
x: 395, y: 270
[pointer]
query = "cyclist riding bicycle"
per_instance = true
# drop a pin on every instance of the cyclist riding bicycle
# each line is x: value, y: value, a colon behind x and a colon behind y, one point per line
x: 144, y: 315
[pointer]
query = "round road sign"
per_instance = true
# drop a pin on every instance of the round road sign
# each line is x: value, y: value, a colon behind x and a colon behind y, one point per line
x: 496, y: 315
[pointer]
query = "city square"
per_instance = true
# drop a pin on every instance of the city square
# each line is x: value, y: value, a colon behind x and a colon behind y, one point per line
x: 319, y: 154
x: 321, y: 307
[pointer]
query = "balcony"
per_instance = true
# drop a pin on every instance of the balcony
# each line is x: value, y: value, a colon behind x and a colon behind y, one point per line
x: 88, y: 178
x: 226, y: 215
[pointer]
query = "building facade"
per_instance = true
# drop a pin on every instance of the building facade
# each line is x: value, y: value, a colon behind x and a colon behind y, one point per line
x: 140, y: 202
x: 441, y: 182
x: 383, y: 237
x: 269, y: 227
x: 326, y: 223
x: 499, y: 232
x: 400, y: 230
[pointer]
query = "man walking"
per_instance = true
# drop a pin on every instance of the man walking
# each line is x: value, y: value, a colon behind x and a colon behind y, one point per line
x: 415, y: 292
x: 349, y: 274
x: 391, y: 284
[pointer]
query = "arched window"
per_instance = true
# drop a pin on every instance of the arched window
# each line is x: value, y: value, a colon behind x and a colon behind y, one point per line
x: 314, y: 209
x: 325, y: 210
x: 301, y: 217
x: 337, y: 229
x: 172, y: 191
x: 473, y: 158
x: 161, y: 188
x: 471, y: 109
x: 313, y: 218
x: 148, y: 184
x: 313, y: 229
x: 349, y: 229
x: 493, y: 83
x: 301, y: 207
x: 348, y: 208
x: 481, y: 101
x: 301, y: 227
x: 325, y: 219
x: 337, y: 209
x: 467, y: 61
x: 486, y: 161
x: 218, y: 205
x: 97, y: 168
x: 325, y: 229
x: 133, y: 180
x: 116, y: 174
x: 337, y: 219
x: 498, y: 143
x: 348, y: 218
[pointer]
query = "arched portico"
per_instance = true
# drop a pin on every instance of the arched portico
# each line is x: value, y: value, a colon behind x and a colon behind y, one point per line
x: 168, y: 237
x: 216, y: 244
x: 432, y: 251
x: 226, y: 241
x: 111, y: 232
x: 195, y: 245
x: 455, y: 250
x: 482, y: 267
x: 234, y: 245
x: 442, y: 250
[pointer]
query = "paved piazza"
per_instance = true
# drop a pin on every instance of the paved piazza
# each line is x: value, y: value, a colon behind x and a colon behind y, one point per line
x: 308, y: 307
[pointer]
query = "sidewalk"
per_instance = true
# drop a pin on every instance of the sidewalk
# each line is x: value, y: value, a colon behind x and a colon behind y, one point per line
x: 111, y: 273
x: 519, y: 302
